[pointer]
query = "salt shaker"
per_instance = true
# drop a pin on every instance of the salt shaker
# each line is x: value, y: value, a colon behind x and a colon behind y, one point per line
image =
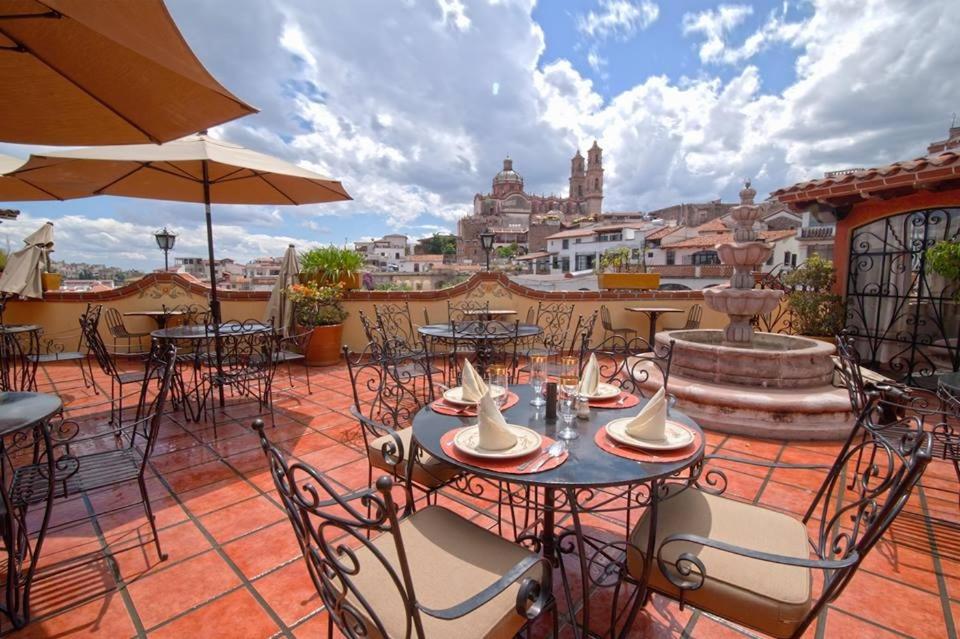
x: 583, y: 407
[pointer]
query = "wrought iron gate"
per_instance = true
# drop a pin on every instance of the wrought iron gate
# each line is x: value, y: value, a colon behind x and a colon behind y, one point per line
x: 905, y: 317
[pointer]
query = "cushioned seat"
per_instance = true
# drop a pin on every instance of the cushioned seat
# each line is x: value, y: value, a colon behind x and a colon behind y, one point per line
x: 450, y: 560
x: 768, y: 597
x: 430, y: 472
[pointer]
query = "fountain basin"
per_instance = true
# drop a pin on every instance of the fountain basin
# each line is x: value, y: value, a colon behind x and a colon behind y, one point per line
x: 769, y: 361
x: 737, y: 301
x: 744, y: 253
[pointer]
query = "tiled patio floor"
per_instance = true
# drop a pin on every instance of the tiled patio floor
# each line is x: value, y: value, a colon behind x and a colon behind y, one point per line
x: 234, y: 568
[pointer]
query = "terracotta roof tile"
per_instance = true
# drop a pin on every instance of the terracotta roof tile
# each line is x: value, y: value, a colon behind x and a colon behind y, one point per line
x: 661, y: 233
x: 713, y: 226
x: 709, y: 241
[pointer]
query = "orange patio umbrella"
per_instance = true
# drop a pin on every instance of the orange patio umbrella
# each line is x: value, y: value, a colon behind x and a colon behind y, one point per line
x: 14, y: 189
x: 79, y: 72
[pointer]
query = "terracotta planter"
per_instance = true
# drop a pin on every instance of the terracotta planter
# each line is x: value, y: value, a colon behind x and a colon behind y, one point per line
x: 324, y: 347
x: 351, y: 282
x: 51, y: 281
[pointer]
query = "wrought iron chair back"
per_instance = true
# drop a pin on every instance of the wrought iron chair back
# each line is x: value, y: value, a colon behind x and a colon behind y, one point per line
x: 693, y: 317
x: 388, y: 384
x: 91, y: 335
x: 395, y: 320
x: 605, y: 320
x: 554, y: 318
x: 18, y: 364
x: 463, y: 311
x: 145, y: 429
x: 190, y: 314
x: 246, y: 351
x: 630, y: 363
x: 488, y: 342
x: 583, y: 331
x: 371, y: 330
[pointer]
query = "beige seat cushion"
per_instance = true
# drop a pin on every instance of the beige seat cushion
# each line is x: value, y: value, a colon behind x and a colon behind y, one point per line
x: 450, y: 560
x: 430, y: 472
x: 769, y: 597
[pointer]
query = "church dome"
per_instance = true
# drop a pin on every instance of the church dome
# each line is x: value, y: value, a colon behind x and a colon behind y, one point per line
x: 507, y: 175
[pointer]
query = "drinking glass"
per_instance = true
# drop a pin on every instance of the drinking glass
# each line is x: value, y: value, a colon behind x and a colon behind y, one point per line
x: 497, y: 376
x: 568, y: 410
x: 538, y: 377
x: 569, y: 365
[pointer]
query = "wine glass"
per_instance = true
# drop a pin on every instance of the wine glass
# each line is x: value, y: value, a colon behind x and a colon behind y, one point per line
x: 569, y: 365
x: 568, y: 411
x: 497, y: 377
x: 538, y: 377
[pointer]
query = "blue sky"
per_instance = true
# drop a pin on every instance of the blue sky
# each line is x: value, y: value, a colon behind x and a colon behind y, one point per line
x: 414, y: 103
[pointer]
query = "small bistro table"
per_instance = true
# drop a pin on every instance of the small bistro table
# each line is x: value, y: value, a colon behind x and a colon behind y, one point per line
x: 24, y: 433
x: 160, y: 317
x: 19, y: 348
x: 590, y: 481
x: 653, y: 312
x: 484, y: 337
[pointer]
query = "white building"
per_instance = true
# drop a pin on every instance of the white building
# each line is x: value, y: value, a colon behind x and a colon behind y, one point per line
x: 577, y: 250
x: 389, y: 249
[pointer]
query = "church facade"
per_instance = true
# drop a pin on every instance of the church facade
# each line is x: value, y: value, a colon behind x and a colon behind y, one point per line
x: 514, y: 215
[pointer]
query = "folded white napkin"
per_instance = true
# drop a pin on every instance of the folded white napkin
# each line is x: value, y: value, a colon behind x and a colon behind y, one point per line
x: 473, y: 387
x: 494, y: 433
x: 590, y: 379
x: 651, y: 422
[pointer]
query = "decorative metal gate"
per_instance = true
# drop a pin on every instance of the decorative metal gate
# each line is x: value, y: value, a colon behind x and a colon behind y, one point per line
x: 905, y: 317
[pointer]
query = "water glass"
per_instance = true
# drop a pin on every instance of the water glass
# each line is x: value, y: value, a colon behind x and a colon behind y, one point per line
x: 538, y: 377
x: 497, y: 376
x: 568, y: 408
x: 569, y: 365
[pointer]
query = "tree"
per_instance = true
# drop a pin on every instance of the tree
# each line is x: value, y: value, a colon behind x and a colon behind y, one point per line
x: 508, y: 252
x: 439, y: 244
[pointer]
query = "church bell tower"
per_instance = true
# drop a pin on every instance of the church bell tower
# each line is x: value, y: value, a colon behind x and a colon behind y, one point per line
x: 593, y: 179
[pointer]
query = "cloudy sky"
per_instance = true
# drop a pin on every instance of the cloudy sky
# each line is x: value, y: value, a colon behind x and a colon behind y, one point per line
x: 413, y: 104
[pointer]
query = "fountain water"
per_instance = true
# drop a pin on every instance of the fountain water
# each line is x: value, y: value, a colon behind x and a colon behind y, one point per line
x: 762, y: 384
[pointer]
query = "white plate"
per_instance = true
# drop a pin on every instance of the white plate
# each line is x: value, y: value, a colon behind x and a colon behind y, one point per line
x: 676, y: 437
x: 528, y: 441
x: 605, y: 391
x: 455, y: 395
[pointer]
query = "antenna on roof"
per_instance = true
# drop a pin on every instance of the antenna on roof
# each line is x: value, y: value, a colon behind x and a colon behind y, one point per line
x: 953, y: 120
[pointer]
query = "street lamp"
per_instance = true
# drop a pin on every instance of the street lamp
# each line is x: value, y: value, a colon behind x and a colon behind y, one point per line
x: 165, y: 240
x: 486, y: 243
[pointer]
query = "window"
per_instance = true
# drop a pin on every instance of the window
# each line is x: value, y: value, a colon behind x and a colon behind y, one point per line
x: 671, y: 258
x: 580, y: 190
x: 585, y: 262
x: 786, y: 258
x: 596, y: 184
x: 649, y: 254
x: 702, y: 258
x: 566, y: 244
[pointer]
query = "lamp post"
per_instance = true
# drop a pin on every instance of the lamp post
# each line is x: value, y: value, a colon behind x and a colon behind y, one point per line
x: 486, y: 243
x: 165, y: 240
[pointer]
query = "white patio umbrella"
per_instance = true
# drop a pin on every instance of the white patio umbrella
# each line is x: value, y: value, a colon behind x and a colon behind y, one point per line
x: 102, y: 72
x: 22, y: 275
x: 280, y: 308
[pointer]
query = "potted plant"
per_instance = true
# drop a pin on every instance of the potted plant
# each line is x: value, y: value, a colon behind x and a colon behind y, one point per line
x: 320, y: 308
x: 329, y: 265
x: 817, y: 311
x: 617, y: 272
x: 943, y: 258
x: 51, y: 280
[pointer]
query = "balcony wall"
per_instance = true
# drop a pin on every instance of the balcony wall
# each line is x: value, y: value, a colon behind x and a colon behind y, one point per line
x: 59, y: 311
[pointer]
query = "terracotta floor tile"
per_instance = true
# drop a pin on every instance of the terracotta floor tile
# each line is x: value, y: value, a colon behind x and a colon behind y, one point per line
x: 165, y: 594
x: 236, y: 615
x: 243, y: 517
x: 221, y: 494
x: 136, y: 554
x: 105, y: 617
x: 915, y: 609
x: 290, y: 592
x: 840, y: 624
x: 265, y: 549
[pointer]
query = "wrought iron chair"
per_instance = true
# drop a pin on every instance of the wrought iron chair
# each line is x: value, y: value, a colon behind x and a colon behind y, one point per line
x: 386, y: 396
x: 582, y: 331
x: 693, y: 318
x: 119, y: 332
x: 395, y: 321
x: 631, y: 364
x: 54, y: 351
x: 246, y: 367
x: 752, y: 565
x: 430, y: 573
x: 119, y: 379
x: 487, y: 343
x: 105, y: 458
x: 554, y: 319
x: 18, y: 364
x: 465, y: 310
x: 608, y: 327
x: 189, y: 314
x: 293, y: 348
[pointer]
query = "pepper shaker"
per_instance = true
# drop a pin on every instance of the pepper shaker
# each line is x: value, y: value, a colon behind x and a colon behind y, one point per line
x: 551, y: 412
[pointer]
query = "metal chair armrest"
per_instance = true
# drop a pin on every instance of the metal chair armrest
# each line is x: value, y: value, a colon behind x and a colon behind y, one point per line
x: 531, y: 599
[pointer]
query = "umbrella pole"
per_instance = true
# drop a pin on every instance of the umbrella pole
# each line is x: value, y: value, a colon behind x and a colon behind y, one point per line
x: 214, y: 300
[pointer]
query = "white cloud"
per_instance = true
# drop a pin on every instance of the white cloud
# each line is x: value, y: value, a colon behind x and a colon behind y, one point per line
x: 714, y: 25
x: 454, y: 13
x: 618, y: 18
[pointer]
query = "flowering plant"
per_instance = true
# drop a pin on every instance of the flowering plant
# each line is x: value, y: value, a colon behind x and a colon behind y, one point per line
x: 316, y: 305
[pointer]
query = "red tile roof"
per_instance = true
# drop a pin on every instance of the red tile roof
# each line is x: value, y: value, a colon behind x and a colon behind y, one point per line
x: 847, y: 187
x: 713, y: 226
x: 659, y: 234
x: 709, y: 241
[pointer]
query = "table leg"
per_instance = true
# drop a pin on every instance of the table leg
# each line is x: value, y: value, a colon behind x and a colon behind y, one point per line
x: 653, y: 327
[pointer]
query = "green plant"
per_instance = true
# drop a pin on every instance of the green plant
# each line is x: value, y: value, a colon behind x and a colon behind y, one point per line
x: 316, y: 305
x: 453, y: 281
x: 439, y: 244
x: 943, y: 258
x: 330, y: 264
x: 507, y: 252
x: 393, y: 286
x: 816, y: 309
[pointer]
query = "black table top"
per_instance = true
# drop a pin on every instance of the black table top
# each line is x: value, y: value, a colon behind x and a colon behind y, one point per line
x: 23, y: 410
x: 587, y: 466
x: 476, y: 331
x: 206, y: 332
x: 19, y: 328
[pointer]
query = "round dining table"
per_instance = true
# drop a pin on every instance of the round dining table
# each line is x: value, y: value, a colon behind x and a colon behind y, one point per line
x: 485, y: 336
x: 160, y: 317
x: 653, y: 312
x: 590, y: 481
x: 24, y: 434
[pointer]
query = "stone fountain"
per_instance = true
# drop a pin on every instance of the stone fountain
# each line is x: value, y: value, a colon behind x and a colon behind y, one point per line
x: 739, y: 381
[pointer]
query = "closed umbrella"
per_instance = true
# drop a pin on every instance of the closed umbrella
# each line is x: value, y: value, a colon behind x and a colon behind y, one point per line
x: 23, y: 273
x: 280, y: 308
x: 78, y: 72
